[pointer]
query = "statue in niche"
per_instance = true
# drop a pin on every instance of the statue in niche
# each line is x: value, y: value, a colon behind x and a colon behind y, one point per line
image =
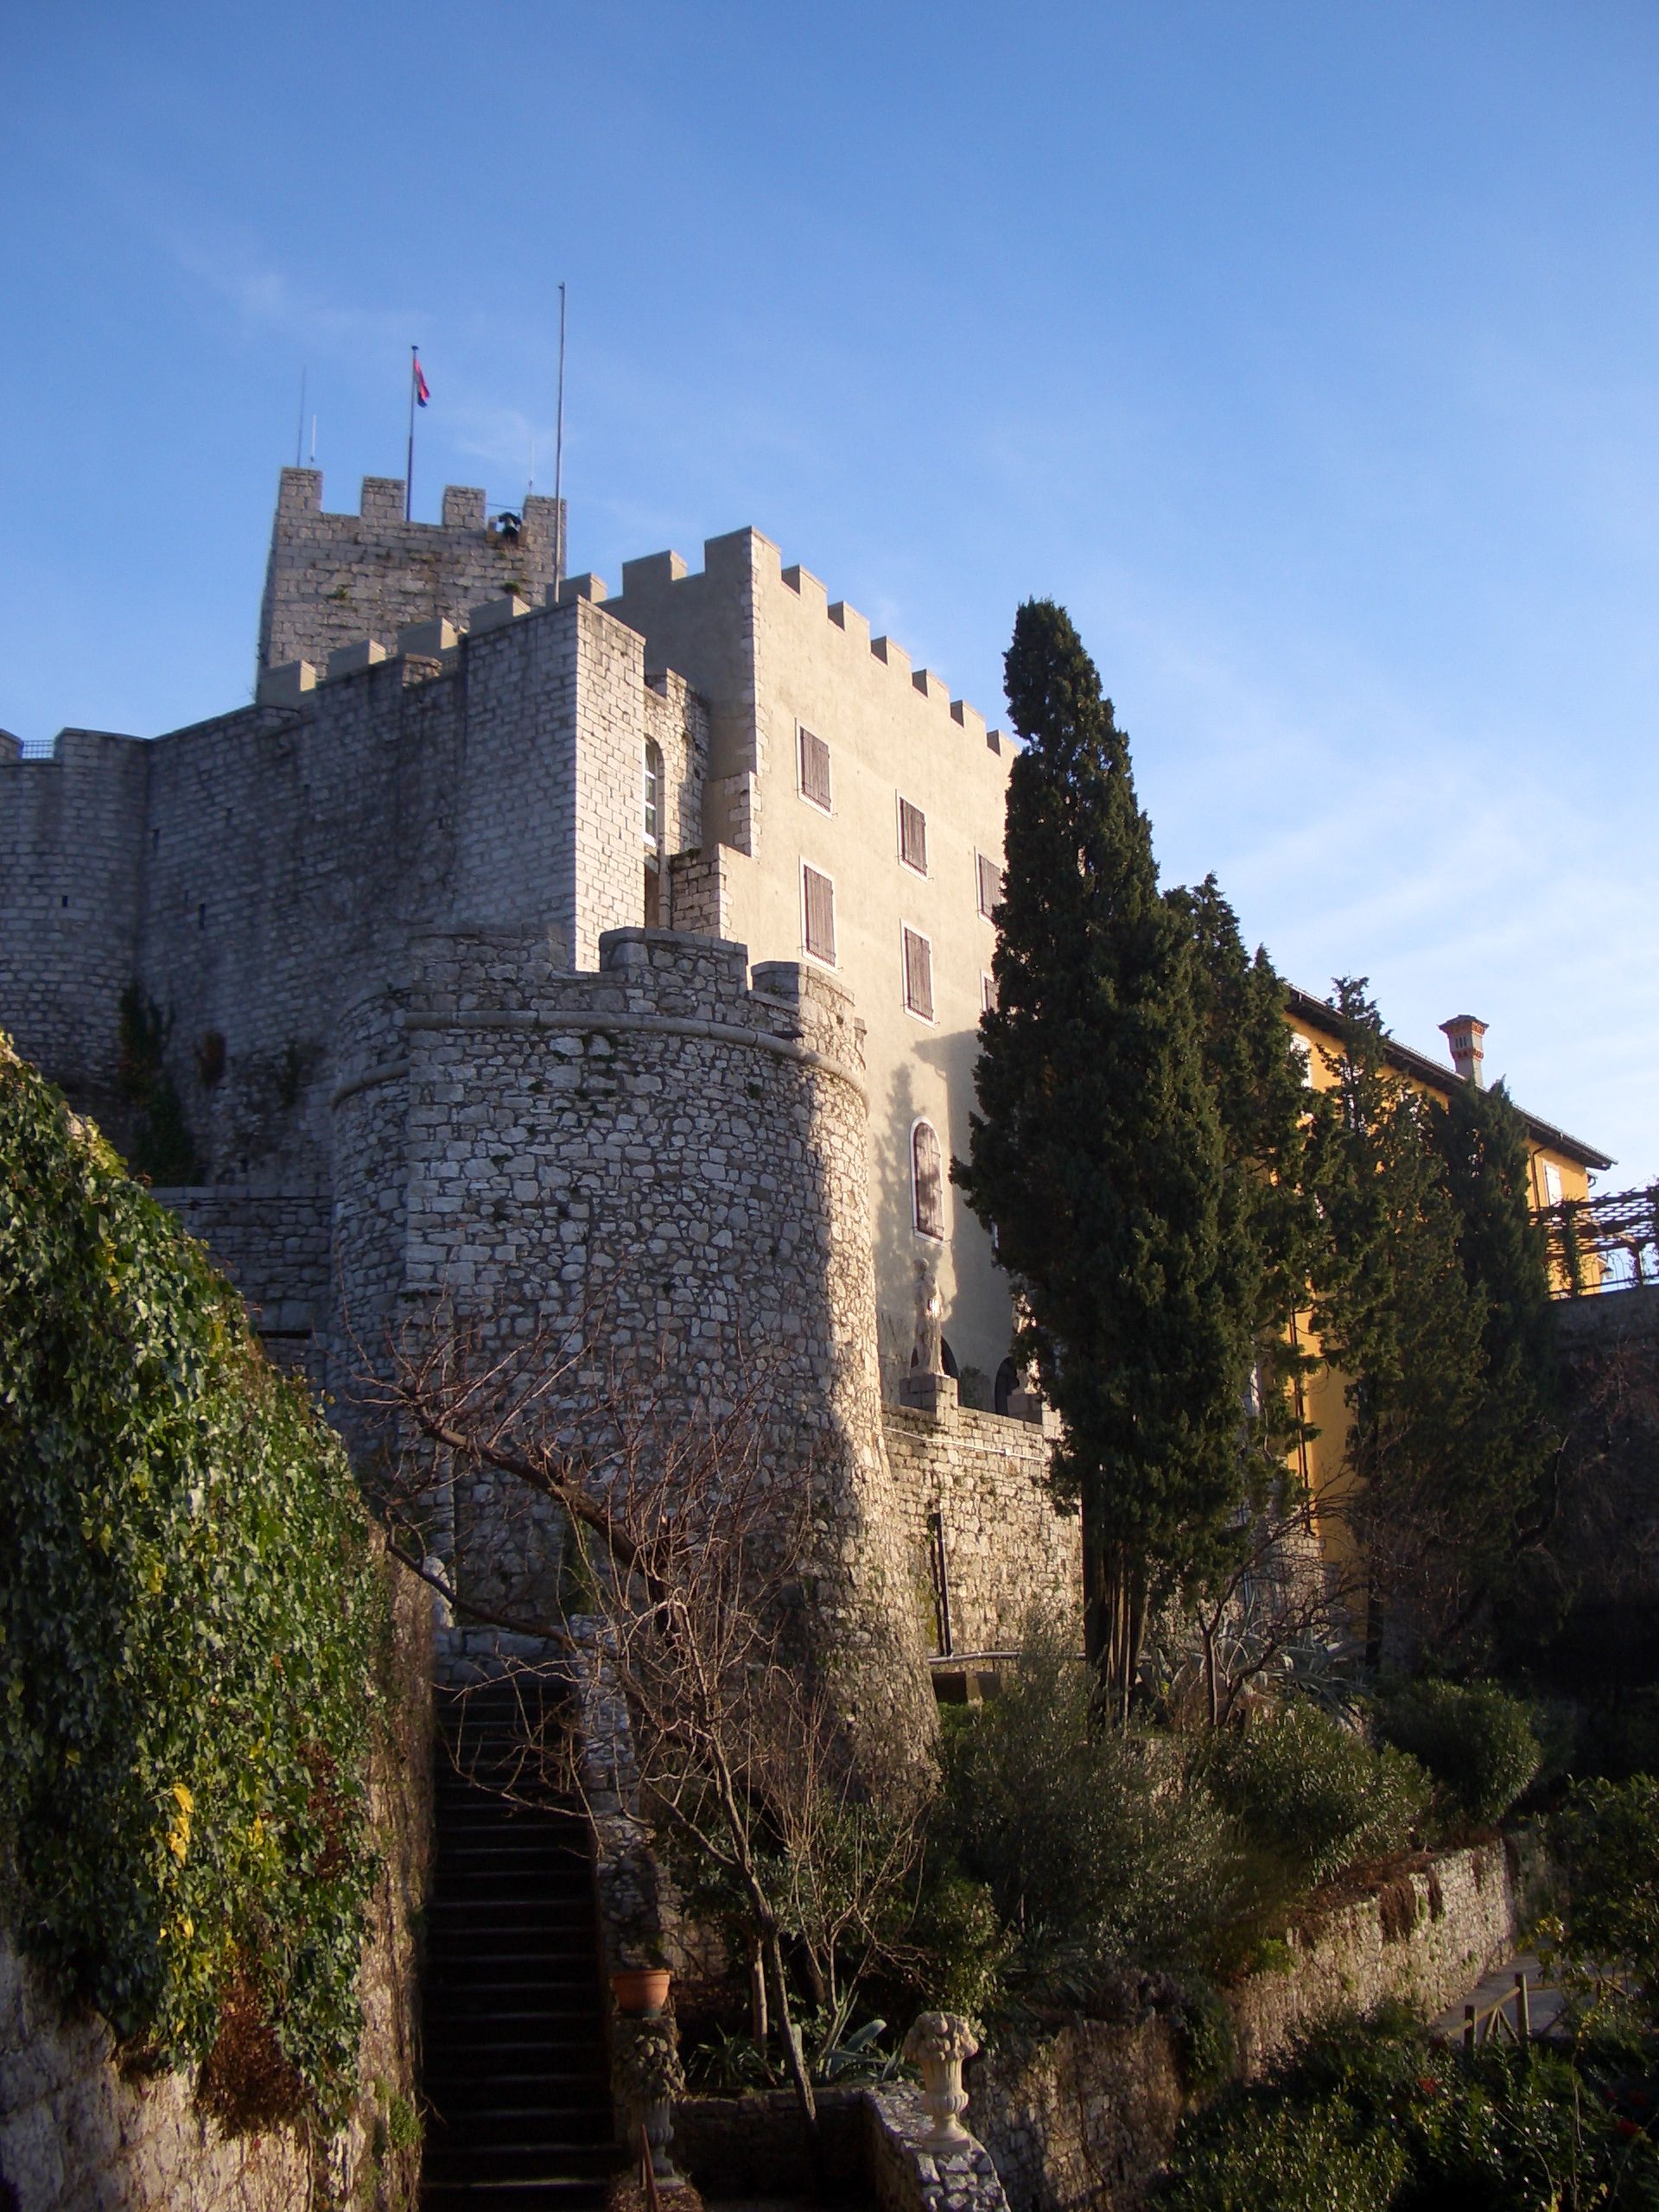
x: 928, y: 1359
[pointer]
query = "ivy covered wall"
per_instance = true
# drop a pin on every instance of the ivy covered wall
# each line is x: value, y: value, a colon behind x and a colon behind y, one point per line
x: 195, y: 1649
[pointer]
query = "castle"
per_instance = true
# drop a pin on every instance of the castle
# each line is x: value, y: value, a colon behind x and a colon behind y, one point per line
x: 553, y: 953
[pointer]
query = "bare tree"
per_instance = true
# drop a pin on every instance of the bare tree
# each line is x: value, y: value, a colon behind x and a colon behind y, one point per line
x: 695, y: 1518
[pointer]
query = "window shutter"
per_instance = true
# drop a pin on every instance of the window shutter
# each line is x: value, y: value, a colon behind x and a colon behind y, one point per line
x: 927, y: 1181
x: 815, y: 770
x: 913, y: 836
x: 918, y: 975
x: 990, y: 885
x: 820, y: 915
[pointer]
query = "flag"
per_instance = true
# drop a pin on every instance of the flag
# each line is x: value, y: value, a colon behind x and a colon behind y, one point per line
x: 422, y: 395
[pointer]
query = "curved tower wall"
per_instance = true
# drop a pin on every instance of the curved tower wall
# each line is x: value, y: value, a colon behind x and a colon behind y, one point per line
x: 680, y: 1161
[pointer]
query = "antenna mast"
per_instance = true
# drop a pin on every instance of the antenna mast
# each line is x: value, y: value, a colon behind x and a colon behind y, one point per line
x: 558, y: 466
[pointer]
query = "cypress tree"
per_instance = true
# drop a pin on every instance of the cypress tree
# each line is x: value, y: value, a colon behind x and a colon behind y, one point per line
x: 1393, y: 1309
x: 1502, y: 1493
x: 1255, y: 1076
x: 1097, y: 1156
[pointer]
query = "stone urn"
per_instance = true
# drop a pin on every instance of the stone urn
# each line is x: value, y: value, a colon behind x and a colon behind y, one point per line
x: 648, y: 2074
x: 938, y: 2043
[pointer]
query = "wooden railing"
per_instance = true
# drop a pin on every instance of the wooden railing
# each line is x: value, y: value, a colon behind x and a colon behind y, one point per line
x: 1492, y: 2022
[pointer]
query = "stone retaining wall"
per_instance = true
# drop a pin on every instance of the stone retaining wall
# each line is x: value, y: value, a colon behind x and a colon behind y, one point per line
x: 1084, y: 2117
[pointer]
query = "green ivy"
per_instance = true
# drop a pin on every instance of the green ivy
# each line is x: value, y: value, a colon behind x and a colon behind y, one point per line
x: 189, y: 1618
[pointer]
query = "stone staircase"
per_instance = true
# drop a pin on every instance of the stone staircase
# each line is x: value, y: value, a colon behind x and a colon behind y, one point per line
x: 516, y: 2071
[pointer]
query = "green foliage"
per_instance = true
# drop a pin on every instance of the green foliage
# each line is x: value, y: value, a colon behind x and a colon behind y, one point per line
x: 963, y: 1945
x: 1289, y: 2161
x: 189, y: 1621
x: 1098, y: 1156
x: 1477, y: 1741
x: 1255, y: 1074
x: 162, y: 1147
x: 1606, y: 1835
x: 1374, y: 2115
x: 1395, y: 1313
x: 1317, y: 1793
x: 1099, y: 1850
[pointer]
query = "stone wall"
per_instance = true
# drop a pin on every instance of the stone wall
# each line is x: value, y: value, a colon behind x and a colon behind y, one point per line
x: 658, y: 1154
x: 1084, y: 2116
x: 251, y: 871
x: 77, y: 2132
x: 971, y: 1486
x: 71, y: 875
x: 334, y: 578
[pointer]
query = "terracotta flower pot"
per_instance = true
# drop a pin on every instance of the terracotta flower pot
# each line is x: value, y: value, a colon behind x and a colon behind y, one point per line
x: 641, y: 1990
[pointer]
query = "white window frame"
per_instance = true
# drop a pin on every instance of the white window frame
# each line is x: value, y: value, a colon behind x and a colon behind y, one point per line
x: 922, y: 938
x: 653, y: 842
x: 934, y: 1235
x: 818, y: 958
x: 987, y: 991
x: 900, y: 804
x: 1551, y: 1175
x: 802, y: 733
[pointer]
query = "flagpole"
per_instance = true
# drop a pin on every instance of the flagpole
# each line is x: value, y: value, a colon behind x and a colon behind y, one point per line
x: 558, y: 466
x: 409, y: 472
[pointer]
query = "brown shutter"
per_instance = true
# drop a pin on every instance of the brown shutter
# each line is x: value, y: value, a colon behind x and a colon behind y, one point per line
x: 814, y: 769
x: 918, y: 975
x: 927, y: 1180
x: 820, y: 902
x: 990, y: 885
x: 913, y: 836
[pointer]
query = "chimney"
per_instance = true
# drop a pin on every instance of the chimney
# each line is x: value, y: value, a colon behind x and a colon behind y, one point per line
x: 1463, y: 1033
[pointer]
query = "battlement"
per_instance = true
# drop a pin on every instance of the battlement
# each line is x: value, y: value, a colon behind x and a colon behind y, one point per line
x: 745, y: 560
x: 336, y: 578
x: 292, y: 682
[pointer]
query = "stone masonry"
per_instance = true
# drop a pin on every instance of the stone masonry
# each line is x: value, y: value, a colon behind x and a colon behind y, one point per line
x: 336, y: 578
x: 390, y: 918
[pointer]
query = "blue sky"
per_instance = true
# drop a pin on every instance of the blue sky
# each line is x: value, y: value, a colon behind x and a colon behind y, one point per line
x: 1307, y: 351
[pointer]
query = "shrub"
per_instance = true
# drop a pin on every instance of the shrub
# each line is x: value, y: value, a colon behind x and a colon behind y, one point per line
x: 1365, y: 2114
x: 189, y: 1617
x: 1098, y: 1847
x: 1317, y: 1793
x: 1606, y: 1836
x: 1288, y: 2161
x: 1478, y: 1743
x: 962, y: 1943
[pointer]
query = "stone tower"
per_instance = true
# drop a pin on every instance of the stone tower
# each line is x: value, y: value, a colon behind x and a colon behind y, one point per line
x: 336, y: 578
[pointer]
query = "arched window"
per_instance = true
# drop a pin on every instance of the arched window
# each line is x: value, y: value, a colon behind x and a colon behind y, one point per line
x: 927, y: 1180
x: 653, y: 796
x: 1007, y: 1381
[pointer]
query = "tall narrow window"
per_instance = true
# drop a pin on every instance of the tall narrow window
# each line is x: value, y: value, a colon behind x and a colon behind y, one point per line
x: 818, y: 901
x: 927, y: 1180
x: 991, y: 886
x: 918, y: 975
x: 815, y: 770
x: 988, y: 994
x: 653, y: 796
x: 1552, y: 1184
x: 913, y: 836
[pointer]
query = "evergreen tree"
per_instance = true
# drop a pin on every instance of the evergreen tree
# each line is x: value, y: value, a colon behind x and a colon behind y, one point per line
x: 1255, y: 1075
x: 1098, y: 1156
x: 1393, y: 1310
x: 1504, y: 1488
